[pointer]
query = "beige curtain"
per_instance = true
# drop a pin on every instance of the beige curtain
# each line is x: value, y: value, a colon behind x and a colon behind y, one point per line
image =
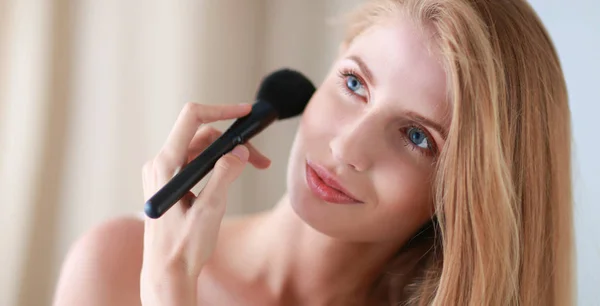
x: 89, y: 91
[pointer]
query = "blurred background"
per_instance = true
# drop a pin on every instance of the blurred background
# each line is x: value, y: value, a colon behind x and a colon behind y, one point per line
x: 90, y: 89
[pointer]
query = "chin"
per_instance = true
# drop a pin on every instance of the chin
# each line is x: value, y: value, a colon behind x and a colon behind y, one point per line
x: 315, y: 214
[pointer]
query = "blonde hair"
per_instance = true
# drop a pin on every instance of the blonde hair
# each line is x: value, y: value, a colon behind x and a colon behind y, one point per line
x: 503, y: 189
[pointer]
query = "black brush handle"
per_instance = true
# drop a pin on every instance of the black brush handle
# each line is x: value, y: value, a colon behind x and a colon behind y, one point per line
x: 261, y: 116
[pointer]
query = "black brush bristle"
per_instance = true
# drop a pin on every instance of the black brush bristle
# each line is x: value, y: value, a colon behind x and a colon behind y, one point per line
x: 288, y: 91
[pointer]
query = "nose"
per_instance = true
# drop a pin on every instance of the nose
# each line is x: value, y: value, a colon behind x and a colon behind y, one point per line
x: 354, y: 146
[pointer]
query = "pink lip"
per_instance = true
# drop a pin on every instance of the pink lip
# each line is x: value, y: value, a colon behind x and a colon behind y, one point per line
x: 326, y: 186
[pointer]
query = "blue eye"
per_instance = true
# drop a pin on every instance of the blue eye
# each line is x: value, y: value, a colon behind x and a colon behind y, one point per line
x: 355, y: 85
x: 418, y: 137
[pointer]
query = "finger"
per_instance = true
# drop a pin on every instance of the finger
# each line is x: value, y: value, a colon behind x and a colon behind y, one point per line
x: 226, y: 170
x: 190, y: 118
x: 206, y: 135
x: 187, y: 200
x: 256, y: 158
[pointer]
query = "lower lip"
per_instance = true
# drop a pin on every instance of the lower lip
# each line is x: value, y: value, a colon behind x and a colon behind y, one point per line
x: 324, y: 191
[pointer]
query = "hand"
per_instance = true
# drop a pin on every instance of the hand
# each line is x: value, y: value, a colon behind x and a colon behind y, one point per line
x: 178, y: 244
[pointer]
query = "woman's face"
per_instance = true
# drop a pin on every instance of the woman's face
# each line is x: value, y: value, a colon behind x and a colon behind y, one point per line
x: 374, y: 129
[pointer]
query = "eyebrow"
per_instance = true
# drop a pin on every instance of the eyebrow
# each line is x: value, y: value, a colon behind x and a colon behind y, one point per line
x: 430, y: 123
x: 365, y: 69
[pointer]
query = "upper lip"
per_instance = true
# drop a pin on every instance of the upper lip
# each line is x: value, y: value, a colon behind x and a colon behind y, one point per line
x: 330, y: 179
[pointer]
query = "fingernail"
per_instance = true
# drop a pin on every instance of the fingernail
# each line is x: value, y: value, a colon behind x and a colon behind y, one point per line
x: 240, y: 152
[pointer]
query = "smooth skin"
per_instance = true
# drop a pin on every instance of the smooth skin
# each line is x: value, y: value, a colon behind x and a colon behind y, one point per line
x: 377, y: 123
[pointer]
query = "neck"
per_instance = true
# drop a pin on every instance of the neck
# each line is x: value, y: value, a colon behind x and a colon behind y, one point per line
x: 307, y: 266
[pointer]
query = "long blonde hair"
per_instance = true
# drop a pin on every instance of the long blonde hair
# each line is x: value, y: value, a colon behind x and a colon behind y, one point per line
x: 503, y: 190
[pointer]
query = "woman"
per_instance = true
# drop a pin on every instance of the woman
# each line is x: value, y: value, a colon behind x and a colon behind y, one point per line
x: 431, y: 167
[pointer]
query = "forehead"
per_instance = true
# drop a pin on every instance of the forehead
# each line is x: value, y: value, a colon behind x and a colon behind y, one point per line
x: 405, y: 63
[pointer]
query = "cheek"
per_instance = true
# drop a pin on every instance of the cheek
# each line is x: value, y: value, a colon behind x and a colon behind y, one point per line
x: 404, y: 197
x: 405, y: 180
x: 325, y: 111
x: 322, y: 119
x: 312, y: 138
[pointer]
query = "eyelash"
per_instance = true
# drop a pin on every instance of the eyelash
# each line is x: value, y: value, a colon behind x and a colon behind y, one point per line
x: 431, y: 151
x: 344, y: 73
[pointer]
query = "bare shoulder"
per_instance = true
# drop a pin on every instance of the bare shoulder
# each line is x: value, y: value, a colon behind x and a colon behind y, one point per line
x: 103, y: 266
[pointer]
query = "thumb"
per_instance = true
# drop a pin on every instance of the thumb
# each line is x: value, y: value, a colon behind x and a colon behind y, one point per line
x: 227, y: 169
